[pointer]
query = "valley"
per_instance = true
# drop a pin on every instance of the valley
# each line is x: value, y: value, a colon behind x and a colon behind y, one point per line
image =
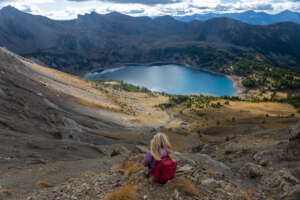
x: 69, y: 136
x: 265, y: 58
x: 64, y: 137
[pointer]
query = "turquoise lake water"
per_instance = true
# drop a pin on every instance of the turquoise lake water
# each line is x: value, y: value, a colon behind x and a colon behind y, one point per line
x: 172, y: 79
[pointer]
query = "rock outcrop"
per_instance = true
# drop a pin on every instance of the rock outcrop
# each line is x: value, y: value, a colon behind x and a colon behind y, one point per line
x: 293, y: 149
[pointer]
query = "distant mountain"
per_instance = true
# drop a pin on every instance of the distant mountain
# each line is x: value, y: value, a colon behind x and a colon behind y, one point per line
x: 250, y: 17
x: 97, y: 41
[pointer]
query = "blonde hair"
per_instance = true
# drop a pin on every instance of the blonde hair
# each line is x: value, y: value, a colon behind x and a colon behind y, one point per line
x: 160, y: 141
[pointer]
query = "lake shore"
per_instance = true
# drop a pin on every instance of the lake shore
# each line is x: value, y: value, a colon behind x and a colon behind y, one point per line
x: 237, y: 81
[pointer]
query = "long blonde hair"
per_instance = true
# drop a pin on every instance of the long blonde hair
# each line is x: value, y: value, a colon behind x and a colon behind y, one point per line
x: 160, y: 141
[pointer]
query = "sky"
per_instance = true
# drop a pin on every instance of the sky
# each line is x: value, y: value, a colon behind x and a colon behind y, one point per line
x: 70, y: 9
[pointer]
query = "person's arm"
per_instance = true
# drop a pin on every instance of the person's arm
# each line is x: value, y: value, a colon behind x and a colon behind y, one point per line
x: 147, y: 159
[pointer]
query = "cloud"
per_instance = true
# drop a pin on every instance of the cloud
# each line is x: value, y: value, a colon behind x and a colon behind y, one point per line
x: 264, y: 7
x: 70, y: 9
x: 146, y: 2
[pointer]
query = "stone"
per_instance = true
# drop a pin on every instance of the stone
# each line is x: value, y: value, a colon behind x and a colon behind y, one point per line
x: 210, y: 183
x: 50, y: 104
x: 115, y: 153
x: 40, y: 94
x: 252, y: 170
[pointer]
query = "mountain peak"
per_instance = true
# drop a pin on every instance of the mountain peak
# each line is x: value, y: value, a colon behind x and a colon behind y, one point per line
x: 116, y: 14
x: 250, y: 12
x: 9, y: 8
x: 165, y: 18
x: 286, y: 12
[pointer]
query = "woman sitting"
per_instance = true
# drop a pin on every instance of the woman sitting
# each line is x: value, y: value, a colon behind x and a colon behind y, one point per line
x: 159, y: 159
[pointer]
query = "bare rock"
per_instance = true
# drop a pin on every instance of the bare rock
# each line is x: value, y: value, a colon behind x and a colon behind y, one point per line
x: 252, y: 170
x: 295, y: 132
x: 207, y: 162
x: 50, y: 104
x: 294, y: 194
x: 293, y: 149
x: 210, y: 183
x: 265, y: 158
x: 70, y: 129
x: 282, y: 180
x: 2, y: 93
x: 115, y: 152
x: 197, y: 148
x: 140, y: 149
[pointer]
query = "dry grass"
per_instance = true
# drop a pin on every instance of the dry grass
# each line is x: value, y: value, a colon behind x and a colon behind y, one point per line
x: 179, y: 142
x: 274, y: 124
x: 140, y: 179
x: 246, y: 196
x: 207, y: 138
x: 128, y: 168
x: 210, y: 172
x: 261, y: 109
x: 44, y: 184
x: 124, y: 136
x: 131, y: 167
x: 127, y: 192
x: 143, y: 106
x: 117, y: 168
x: 183, y: 185
x: 96, y: 105
x: 93, y: 174
x: 6, y: 191
x: 59, y: 75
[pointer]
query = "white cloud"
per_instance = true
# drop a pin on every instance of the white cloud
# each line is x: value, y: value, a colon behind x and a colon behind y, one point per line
x: 64, y: 9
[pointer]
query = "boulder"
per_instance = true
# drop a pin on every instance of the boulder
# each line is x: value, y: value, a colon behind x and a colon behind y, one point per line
x: 252, y: 170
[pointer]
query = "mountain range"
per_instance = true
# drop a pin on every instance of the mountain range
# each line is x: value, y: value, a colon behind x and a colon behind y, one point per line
x: 95, y: 41
x: 250, y: 17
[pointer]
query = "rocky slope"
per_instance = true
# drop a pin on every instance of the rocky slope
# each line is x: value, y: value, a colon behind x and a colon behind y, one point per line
x: 62, y: 137
x: 256, y: 170
x: 41, y: 120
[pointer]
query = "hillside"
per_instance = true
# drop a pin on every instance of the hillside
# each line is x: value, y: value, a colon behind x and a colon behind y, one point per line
x: 265, y: 59
x: 95, y: 41
x: 63, y: 137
